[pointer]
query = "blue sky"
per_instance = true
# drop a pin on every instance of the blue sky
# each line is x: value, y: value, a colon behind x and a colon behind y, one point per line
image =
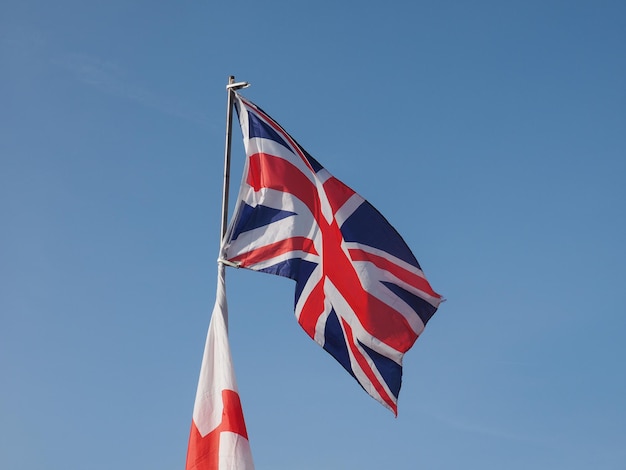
x: 490, y: 134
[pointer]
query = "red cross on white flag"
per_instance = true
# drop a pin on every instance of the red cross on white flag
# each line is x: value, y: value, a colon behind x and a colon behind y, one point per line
x: 218, y: 438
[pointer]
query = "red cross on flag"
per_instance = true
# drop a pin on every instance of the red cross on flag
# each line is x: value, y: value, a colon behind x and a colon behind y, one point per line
x: 218, y: 438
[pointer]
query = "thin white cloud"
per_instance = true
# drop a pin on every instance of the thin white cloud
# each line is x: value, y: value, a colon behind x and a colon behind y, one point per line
x: 108, y: 77
x: 25, y: 52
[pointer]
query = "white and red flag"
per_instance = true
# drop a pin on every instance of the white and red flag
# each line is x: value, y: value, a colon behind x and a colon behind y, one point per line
x: 218, y: 438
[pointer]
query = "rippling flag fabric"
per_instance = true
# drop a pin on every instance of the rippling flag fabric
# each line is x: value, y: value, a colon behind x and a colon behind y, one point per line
x: 360, y: 292
x: 218, y: 438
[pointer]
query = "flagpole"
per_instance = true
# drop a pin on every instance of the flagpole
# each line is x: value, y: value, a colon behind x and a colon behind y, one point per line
x: 230, y: 89
x: 222, y: 263
x: 217, y: 409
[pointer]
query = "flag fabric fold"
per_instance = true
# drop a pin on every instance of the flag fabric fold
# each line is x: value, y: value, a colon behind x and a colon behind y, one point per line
x: 360, y: 292
x: 218, y: 439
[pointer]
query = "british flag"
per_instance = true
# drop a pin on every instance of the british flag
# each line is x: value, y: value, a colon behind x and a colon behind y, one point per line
x: 360, y: 292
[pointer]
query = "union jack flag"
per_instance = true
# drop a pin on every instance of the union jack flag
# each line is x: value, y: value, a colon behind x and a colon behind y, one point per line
x: 360, y: 292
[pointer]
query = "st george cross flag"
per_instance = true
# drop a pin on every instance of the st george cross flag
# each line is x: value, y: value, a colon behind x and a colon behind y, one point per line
x: 360, y: 292
x: 218, y: 438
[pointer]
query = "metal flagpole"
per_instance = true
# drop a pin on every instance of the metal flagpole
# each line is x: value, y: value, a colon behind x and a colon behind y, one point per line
x: 217, y: 376
x: 230, y: 88
x: 221, y: 263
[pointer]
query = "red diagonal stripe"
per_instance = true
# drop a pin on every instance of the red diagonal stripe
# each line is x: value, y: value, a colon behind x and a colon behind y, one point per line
x: 365, y: 367
x: 405, y: 275
x: 253, y: 108
x: 269, y: 171
x: 312, y: 309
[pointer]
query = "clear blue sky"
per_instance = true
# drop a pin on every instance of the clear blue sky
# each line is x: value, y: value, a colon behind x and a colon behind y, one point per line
x: 491, y: 134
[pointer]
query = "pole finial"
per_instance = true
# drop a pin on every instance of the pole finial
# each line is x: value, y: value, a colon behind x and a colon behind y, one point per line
x: 237, y: 86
